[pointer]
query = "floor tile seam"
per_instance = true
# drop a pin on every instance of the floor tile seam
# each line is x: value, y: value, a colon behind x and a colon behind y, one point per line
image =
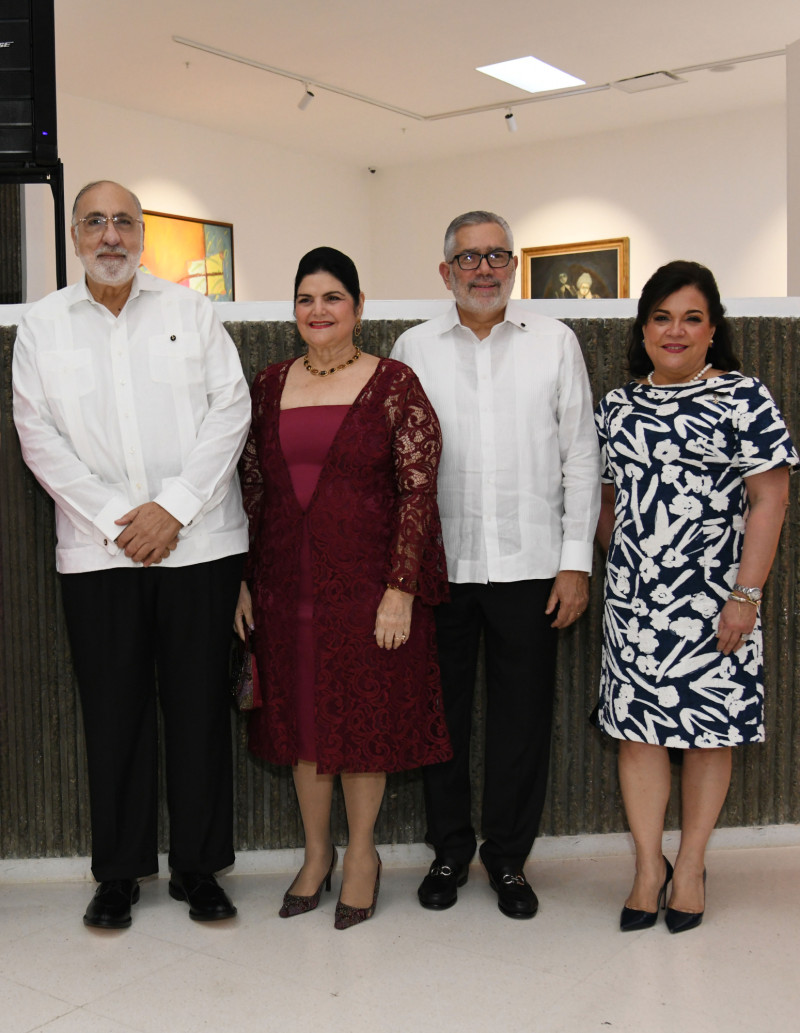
x: 300, y: 981
x: 14, y: 943
x: 139, y: 977
x: 125, y: 937
x: 90, y: 1010
x: 69, y: 1005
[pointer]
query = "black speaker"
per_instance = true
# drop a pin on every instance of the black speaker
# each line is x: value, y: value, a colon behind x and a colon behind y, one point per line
x: 27, y: 83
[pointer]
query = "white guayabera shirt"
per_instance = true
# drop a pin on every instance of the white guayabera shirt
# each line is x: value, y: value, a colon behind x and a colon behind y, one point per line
x: 115, y: 412
x: 519, y: 478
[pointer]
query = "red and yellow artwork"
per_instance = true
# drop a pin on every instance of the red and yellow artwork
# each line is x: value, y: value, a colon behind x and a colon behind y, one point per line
x: 191, y: 252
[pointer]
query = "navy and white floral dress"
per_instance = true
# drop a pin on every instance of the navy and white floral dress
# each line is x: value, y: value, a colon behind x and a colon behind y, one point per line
x: 677, y: 457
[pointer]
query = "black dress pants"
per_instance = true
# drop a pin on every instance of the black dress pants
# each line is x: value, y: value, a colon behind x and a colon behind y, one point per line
x: 520, y: 649
x: 124, y: 626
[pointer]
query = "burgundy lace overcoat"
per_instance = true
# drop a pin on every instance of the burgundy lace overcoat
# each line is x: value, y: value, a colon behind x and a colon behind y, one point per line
x: 372, y: 519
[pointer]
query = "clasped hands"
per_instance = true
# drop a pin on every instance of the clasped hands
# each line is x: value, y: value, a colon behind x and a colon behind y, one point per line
x: 150, y: 534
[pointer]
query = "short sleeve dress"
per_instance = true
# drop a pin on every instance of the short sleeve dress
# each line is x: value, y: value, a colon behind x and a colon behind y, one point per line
x: 678, y: 457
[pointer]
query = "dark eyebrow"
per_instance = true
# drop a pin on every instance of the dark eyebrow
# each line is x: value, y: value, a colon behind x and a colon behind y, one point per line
x: 688, y: 312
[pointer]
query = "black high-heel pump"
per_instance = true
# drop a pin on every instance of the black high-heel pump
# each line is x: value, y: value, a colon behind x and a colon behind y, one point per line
x: 682, y: 921
x: 632, y: 918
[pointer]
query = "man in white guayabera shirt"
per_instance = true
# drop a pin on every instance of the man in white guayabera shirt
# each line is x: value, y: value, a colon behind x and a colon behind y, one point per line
x: 132, y: 411
x: 519, y: 494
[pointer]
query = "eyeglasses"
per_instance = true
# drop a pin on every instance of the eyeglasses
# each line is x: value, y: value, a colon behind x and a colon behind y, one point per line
x: 94, y: 225
x: 473, y: 259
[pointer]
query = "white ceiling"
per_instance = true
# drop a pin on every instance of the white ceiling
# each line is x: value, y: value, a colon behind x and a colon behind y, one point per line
x: 418, y: 55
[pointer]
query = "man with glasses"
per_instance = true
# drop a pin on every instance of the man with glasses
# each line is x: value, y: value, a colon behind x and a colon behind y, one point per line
x: 519, y: 484
x: 132, y: 411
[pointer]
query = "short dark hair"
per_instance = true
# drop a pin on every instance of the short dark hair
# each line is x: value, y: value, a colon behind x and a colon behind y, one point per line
x: 336, y: 263
x: 665, y: 281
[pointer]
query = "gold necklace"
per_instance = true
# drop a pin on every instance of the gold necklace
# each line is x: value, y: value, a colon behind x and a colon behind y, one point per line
x: 333, y: 369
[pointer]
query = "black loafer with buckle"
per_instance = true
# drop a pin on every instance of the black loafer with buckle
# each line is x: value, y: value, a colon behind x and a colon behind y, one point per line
x: 439, y: 889
x: 515, y: 896
x: 208, y: 901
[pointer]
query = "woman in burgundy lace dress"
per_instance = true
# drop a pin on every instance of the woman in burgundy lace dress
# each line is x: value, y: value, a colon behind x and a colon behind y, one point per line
x: 346, y: 561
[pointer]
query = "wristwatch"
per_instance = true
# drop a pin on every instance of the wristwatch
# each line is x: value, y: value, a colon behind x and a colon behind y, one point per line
x: 752, y: 594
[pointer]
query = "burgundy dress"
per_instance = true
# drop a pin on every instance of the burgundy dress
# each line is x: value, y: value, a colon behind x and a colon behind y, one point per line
x: 371, y: 518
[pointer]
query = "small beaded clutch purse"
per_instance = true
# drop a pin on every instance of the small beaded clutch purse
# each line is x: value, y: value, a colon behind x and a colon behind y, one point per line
x: 244, y: 674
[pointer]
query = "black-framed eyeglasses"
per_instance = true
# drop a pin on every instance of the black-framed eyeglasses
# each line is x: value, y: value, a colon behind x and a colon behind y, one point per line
x: 96, y: 224
x: 472, y: 259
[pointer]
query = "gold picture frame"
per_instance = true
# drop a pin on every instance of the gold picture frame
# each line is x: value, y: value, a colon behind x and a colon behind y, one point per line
x: 589, y: 269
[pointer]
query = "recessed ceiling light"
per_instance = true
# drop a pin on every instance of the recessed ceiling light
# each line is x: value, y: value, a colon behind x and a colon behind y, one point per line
x: 531, y: 74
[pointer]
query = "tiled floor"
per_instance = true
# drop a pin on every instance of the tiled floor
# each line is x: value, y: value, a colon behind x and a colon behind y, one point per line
x: 409, y: 970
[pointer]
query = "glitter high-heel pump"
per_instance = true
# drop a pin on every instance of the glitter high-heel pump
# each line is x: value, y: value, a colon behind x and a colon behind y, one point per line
x: 295, y: 905
x: 347, y: 915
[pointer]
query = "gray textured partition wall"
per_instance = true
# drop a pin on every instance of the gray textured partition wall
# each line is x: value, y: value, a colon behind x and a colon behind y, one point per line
x: 43, y: 795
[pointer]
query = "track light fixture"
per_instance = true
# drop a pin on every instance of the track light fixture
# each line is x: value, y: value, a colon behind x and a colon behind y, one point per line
x: 536, y: 98
x: 306, y: 99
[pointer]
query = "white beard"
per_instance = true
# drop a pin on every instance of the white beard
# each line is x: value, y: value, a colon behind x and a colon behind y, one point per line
x: 111, y: 271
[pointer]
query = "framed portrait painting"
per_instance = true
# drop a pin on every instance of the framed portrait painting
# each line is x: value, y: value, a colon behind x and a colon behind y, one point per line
x: 591, y: 269
x: 193, y: 252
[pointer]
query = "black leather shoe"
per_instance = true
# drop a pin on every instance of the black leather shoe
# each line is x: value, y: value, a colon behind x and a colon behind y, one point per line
x: 110, y: 907
x: 515, y: 896
x: 632, y: 919
x: 439, y: 889
x: 683, y: 921
x: 208, y: 901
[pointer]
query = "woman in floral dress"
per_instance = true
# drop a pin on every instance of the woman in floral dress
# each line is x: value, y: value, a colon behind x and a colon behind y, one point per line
x: 696, y: 458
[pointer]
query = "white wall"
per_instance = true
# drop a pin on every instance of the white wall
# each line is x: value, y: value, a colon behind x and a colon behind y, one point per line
x: 281, y: 203
x: 793, y: 164
x: 712, y: 190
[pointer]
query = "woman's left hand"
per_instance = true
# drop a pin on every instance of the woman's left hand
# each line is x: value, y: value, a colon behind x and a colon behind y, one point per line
x: 244, y: 611
x: 393, y: 621
x: 736, y: 622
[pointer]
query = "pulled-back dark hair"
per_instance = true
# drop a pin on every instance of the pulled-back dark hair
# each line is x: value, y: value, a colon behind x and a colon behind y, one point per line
x: 665, y: 281
x: 329, y: 260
